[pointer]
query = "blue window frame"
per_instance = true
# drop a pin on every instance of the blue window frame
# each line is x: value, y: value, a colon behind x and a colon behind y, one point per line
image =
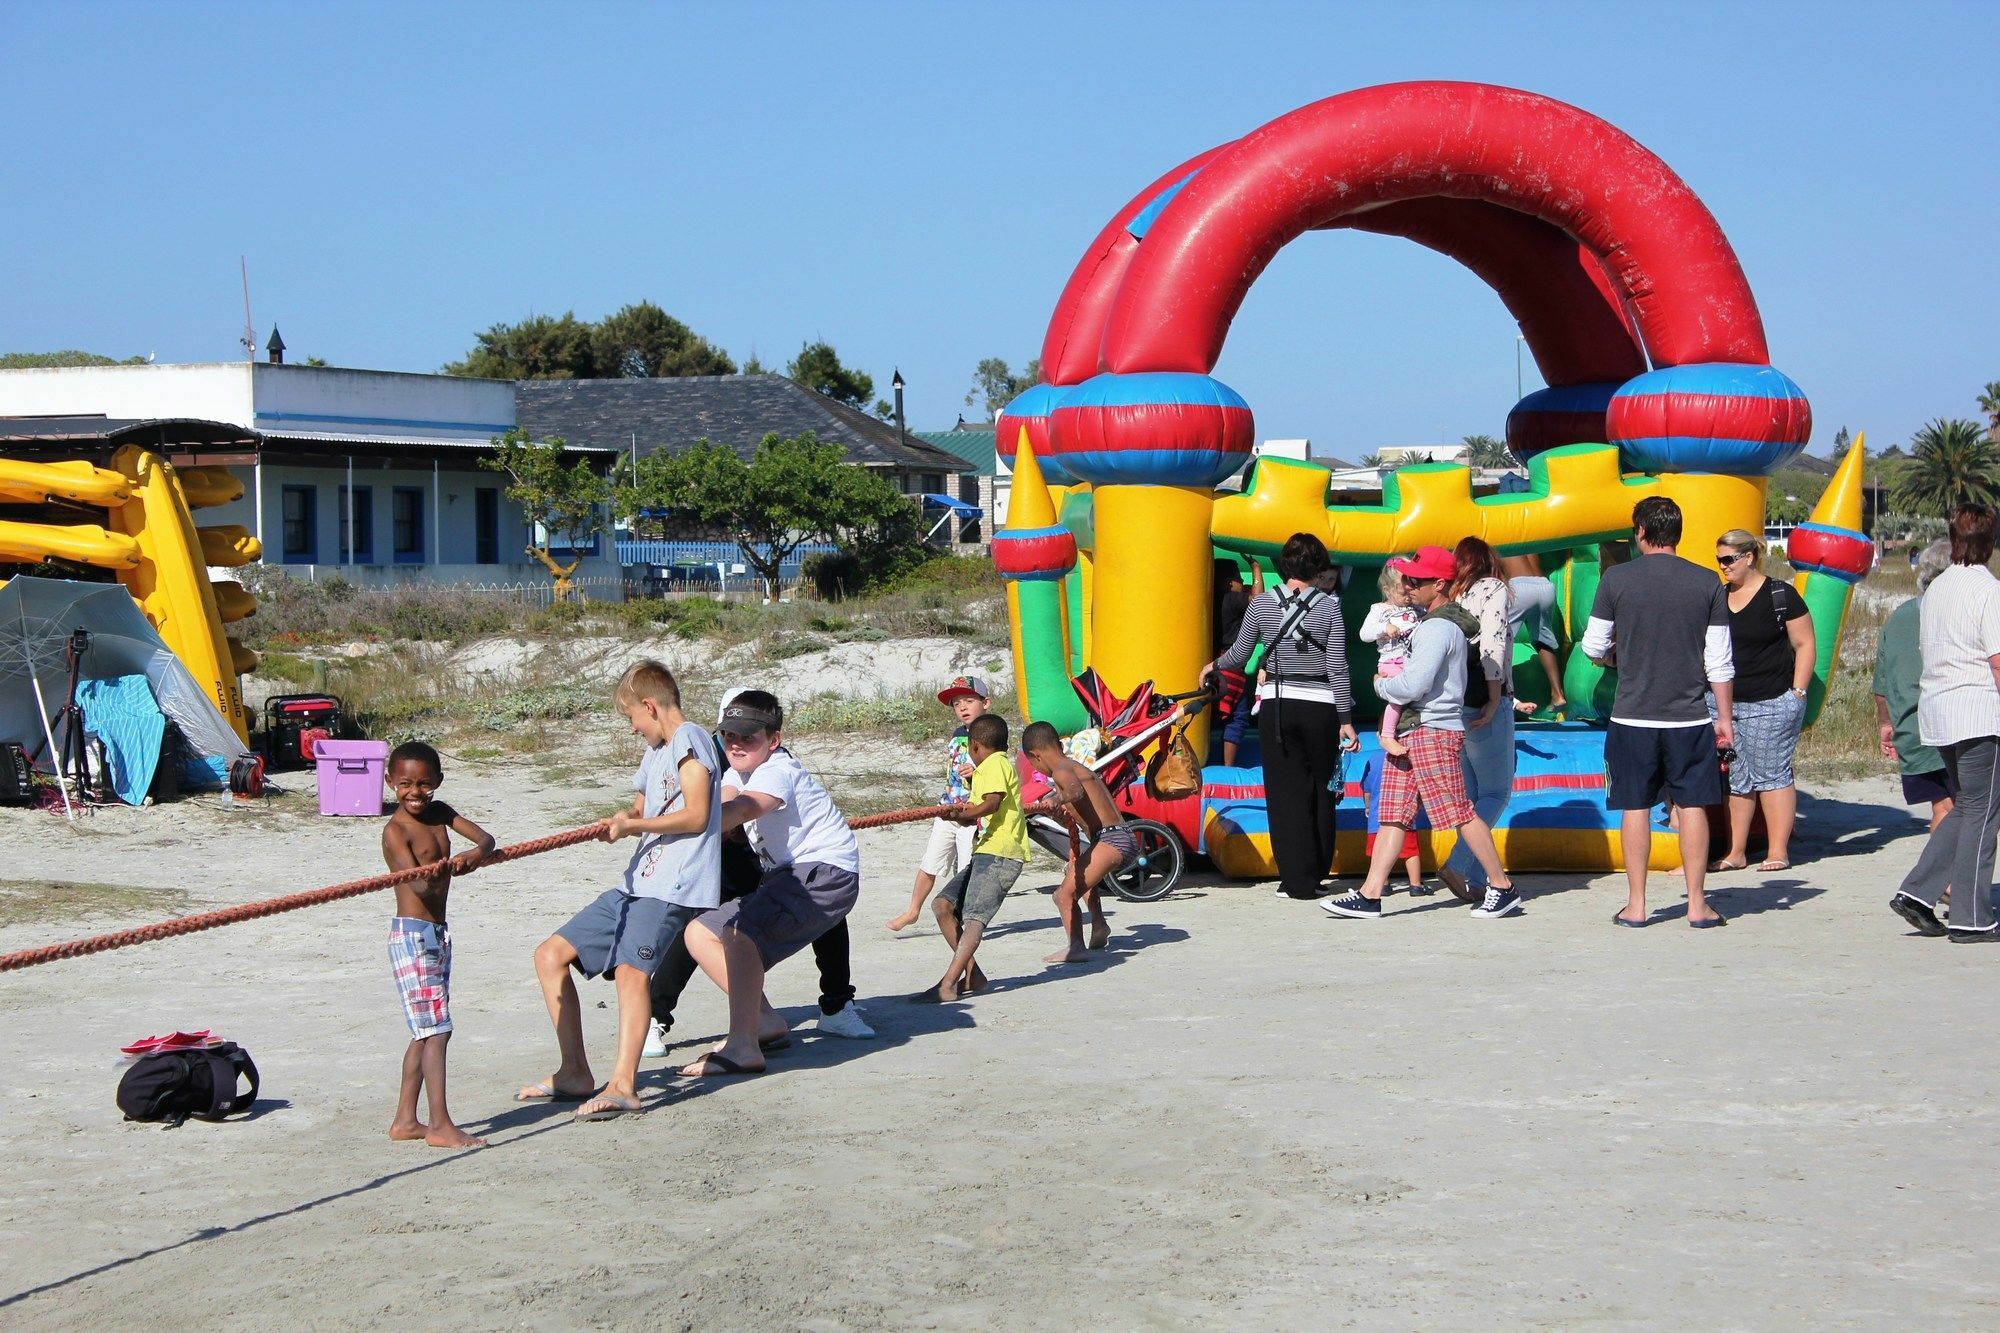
x: 407, y: 524
x: 299, y: 517
x: 363, y: 509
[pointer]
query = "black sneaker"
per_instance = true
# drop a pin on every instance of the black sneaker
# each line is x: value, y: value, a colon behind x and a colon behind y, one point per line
x: 1354, y: 905
x: 1921, y: 916
x: 1498, y: 903
x: 1986, y: 936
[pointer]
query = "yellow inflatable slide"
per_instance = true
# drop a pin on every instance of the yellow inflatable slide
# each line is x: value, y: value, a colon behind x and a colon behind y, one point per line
x: 150, y: 542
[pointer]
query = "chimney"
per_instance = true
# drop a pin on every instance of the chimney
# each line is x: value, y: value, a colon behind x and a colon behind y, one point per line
x: 276, y: 347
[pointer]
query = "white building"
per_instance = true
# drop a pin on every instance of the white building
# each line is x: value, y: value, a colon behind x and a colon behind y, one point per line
x: 373, y: 475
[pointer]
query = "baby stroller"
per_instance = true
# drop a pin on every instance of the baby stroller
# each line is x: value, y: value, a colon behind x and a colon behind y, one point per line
x: 1112, y: 747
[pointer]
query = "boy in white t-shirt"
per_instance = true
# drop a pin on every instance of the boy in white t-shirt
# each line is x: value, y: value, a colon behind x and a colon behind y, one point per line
x: 675, y: 875
x: 811, y: 880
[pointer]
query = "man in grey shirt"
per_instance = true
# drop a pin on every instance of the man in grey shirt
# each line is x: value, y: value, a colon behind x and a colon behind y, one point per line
x: 1664, y: 623
x: 1432, y: 687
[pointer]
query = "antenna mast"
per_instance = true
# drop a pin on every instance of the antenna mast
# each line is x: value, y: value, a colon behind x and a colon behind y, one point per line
x: 249, y: 338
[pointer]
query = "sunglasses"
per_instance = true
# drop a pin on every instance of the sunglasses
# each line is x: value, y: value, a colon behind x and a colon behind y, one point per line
x: 1727, y: 560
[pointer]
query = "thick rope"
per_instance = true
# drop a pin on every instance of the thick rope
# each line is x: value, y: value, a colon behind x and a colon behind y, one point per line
x: 229, y: 916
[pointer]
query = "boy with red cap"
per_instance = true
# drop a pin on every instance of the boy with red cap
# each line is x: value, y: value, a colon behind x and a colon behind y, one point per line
x: 1431, y: 690
x: 950, y: 847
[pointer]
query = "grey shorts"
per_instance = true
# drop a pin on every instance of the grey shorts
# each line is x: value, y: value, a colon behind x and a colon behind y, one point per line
x: 619, y: 930
x: 1535, y: 608
x: 793, y: 906
x: 977, y: 891
x: 1767, y: 737
x: 1119, y: 837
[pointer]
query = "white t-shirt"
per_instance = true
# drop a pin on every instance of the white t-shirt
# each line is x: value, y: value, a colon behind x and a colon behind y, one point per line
x: 1960, y: 631
x: 684, y: 868
x: 806, y: 827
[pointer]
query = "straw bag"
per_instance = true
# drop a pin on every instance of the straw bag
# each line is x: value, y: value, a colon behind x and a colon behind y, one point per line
x: 1175, y: 769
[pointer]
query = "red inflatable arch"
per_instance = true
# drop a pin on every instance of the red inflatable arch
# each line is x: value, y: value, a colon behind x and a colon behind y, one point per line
x: 1602, y: 254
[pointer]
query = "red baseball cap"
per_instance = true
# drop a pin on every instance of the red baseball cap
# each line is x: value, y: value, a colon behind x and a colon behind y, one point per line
x: 1430, y: 562
x: 962, y: 686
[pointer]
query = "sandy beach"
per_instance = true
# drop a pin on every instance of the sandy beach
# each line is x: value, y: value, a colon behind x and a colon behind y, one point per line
x: 1244, y: 1113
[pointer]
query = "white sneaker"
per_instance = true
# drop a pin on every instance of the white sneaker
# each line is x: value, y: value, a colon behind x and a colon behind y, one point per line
x: 847, y: 1023
x: 656, y: 1041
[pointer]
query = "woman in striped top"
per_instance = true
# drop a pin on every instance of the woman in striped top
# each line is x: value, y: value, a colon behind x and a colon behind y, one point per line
x: 1306, y: 711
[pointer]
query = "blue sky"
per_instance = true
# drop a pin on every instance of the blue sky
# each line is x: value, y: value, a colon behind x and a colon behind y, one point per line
x: 914, y: 182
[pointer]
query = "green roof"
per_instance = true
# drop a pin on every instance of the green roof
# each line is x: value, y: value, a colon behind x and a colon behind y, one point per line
x: 974, y: 446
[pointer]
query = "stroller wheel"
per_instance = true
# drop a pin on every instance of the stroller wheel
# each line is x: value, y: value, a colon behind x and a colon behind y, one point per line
x: 1153, y: 874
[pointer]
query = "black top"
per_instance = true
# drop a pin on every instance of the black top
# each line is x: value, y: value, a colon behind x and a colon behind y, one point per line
x: 1230, y: 604
x: 1762, y: 648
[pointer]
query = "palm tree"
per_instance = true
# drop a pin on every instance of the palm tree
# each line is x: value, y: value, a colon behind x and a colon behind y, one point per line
x: 1487, y: 452
x: 1951, y: 462
x: 1374, y: 460
x: 1989, y: 403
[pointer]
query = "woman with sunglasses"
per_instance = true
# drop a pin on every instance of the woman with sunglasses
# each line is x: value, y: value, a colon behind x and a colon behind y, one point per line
x: 1771, y: 634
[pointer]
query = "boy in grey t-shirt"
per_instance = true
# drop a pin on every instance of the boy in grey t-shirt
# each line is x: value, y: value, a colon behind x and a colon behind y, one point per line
x: 674, y: 876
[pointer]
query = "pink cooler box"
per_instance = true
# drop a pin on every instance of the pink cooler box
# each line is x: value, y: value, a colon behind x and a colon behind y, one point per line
x: 350, y: 776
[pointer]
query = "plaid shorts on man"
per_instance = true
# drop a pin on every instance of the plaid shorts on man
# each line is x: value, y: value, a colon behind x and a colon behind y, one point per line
x: 420, y: 959
x: 1430, y: 772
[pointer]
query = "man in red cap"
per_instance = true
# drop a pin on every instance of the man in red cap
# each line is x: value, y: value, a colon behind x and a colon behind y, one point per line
x: 1431, y: 691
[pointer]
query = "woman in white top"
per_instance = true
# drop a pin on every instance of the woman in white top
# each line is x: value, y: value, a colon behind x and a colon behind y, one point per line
x: 1488, y: 758
x: 1959, y: 713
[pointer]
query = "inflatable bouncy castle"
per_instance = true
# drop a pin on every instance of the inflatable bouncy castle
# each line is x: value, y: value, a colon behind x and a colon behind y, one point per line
x: 1638, y: 316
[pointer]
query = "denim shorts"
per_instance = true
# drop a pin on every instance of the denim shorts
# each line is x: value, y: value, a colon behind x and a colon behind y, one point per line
x: 977, y: 891
x: 620, y: 930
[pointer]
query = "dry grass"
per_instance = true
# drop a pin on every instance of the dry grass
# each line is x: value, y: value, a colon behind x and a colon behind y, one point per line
x: 34, y: 901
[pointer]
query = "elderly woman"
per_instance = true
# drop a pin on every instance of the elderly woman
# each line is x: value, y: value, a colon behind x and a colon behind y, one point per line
x: 1771, y: 635
x: 1488, y: 757
x: 1959, y: 713
x: 1306, y: 717
x: 1899, y: 664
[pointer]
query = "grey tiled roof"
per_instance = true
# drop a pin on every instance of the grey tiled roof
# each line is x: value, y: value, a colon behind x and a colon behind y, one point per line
x: 736, y: 410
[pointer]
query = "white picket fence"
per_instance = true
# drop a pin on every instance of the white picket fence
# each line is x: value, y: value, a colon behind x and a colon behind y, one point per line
x: 542, y: 592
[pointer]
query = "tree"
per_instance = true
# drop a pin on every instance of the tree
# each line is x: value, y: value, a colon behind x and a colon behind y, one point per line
x: 643, y: 341
x: 1792, y: 494
x: 792, y: 491
x: 994, y: 384
x: 313, y: 361
x: 563, y: 500
x: 1374, y: 460
x: 817, y: 366
x: 538, y: 348
x: 1989, y: 403
x: 70, y: 357
x: 1951, y: 462
x: 1485, y: 451
x: 638, y: 342
x: 755, y: 367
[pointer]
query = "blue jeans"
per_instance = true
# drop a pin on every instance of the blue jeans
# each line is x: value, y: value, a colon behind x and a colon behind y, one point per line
x: 1489, y: 780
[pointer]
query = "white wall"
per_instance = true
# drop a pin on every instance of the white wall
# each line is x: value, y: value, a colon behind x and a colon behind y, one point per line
x: 213, y: 391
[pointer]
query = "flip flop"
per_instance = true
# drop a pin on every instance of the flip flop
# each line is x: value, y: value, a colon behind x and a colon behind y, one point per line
x: 1618, y: 919
x: 1709, y: 924
x: 783, y: 1043
x: 724, y: 1067
x: 608, y: 1108
x: 546, y: 1092
x: 1717, y: 867
x: 1772, y: 867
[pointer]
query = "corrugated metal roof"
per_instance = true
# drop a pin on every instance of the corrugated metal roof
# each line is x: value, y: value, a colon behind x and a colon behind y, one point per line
x: 123, y: 430
x: 974, y: 446
x: 423, y: 441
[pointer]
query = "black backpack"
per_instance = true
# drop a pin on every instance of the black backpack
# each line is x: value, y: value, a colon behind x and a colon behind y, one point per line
x: 172, y: 1085
x: 1478, y: 690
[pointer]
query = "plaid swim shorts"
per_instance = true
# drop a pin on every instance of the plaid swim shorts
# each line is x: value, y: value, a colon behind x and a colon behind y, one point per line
x: 1431, y: 772
x: 420, y: 959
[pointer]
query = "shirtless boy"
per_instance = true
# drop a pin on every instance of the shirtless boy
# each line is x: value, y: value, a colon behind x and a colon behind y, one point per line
x: 1107, y: 843
x: 419, y: 834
